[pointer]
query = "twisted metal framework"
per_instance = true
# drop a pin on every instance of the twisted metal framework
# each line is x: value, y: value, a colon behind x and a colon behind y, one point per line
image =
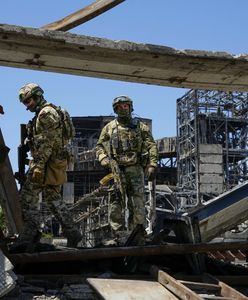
x: 212, y: 118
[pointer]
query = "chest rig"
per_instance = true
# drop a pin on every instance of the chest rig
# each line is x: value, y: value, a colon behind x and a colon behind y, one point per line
x: 126, y: 142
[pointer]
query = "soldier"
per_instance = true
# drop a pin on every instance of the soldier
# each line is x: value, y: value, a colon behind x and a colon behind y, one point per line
x: 47, y: 169
x: 129, y: 142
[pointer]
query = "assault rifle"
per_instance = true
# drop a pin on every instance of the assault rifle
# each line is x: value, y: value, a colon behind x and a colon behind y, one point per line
x: 120, y: 186
x: 22, y: 156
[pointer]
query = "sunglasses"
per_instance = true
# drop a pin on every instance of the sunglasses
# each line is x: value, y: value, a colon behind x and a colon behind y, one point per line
x: 27, y: 101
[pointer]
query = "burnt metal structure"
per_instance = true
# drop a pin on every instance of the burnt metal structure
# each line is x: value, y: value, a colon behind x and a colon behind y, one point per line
x: 212, y: 147
x: 167, y: 167
x: 86, y: 172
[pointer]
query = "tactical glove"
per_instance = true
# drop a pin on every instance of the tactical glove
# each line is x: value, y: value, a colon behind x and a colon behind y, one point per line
x: 105, y: 162
x: 151, y: 173
x: 38, y: 175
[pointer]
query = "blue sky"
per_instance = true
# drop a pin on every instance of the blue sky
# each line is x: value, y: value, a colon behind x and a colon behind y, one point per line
x: 201, y: 25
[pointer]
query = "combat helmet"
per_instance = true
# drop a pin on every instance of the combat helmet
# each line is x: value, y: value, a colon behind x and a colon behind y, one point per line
x: 31, y: 90
x: 122, y: 99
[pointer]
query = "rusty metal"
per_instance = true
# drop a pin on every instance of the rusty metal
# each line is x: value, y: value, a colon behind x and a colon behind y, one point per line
x: 83, y: 15
x: 101, y: 191
x: 101, y: 253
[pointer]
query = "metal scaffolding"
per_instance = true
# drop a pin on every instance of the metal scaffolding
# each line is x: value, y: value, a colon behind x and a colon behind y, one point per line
x: 212, y: 144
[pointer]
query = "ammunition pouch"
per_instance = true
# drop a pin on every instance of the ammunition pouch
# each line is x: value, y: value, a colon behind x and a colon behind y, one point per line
x: 127, y: 159
x: 56, y: 172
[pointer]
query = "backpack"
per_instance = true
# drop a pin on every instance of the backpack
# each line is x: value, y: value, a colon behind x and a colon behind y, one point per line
x: 68, y: 129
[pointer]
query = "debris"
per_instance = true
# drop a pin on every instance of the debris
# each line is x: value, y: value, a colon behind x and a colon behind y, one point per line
x: 7, y: 276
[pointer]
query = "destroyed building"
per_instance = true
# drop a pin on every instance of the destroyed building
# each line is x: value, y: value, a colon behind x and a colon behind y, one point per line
x: 207, y: 158
x: 201, y: 182
x: 212, y: 147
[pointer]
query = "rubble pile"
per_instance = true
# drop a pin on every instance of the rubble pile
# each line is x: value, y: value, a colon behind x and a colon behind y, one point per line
x: 7, y: 276
x: 51, y: 289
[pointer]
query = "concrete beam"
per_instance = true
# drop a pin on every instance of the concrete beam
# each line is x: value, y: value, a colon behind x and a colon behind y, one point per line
x: 68, y: 53
x: 222, y: 213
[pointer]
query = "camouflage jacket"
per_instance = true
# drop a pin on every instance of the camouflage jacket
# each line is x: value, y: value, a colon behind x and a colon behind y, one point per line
x: 128, y: 144
x: 45, y: 136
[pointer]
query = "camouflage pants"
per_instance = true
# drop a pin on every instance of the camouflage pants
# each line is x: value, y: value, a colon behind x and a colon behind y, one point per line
x: 32, y: 215
x: 136, y: 200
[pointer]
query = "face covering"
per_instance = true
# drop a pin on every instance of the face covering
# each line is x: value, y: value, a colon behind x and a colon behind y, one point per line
x: 124, y: 112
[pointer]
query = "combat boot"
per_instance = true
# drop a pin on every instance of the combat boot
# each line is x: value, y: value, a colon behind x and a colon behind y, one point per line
x: 25, y: 243
x: 122, y: 236
x: 73, y: 238
x: 137, y: 236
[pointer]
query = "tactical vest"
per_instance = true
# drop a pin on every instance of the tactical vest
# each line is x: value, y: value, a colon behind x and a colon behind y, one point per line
x: 126, y: 143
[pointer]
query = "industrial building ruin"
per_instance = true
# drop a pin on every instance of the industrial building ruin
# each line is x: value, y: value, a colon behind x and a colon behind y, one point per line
x: 212, y: 143
x: 201, y: 188
x: 201, y: 183
x: 207, y: 158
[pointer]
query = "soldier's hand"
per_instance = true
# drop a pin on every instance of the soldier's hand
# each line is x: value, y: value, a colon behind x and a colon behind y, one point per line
x: 38, y: 175
x: 151, y: 173
x: 105, y: 162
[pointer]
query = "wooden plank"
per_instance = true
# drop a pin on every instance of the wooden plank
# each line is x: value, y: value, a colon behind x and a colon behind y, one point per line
x: 63, y: 52
x: 229, y: 256
x: 236, y: 280
x: 201, y: 286
x: 9, y: 198
x: 174, y: 285
x: 226, y: 290
x: 240, y: 255
x: 121, y: 289
x: 100, y: 253
x: 83, y: 15
x: 212, y: 297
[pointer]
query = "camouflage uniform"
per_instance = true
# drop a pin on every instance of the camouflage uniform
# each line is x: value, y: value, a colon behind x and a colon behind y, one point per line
x: 130, y: 142
x: 46, y: 143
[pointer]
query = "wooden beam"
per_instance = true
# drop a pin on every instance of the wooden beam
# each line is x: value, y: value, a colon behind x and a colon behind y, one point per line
x: 227, y: 291
x: 68, y: 53
x: 83, y: 15
x: 173, y: 285
x: 102, y: 253
x: 234, y: 280
x: 112, y: 289
x: 9, y: 198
